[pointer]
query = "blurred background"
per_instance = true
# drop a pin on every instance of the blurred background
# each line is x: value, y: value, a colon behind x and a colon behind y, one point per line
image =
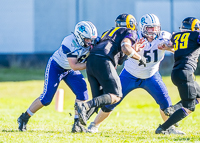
x: 31, y: 30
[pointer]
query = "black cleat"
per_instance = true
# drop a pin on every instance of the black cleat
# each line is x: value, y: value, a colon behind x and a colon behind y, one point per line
x: 78, y: 127
x: 160, y: 130
x: 82, y: 109
x: 22, y: 121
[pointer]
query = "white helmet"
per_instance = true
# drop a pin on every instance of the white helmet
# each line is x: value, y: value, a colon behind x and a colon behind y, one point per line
x: 85, y: 29
x: 150, y: 21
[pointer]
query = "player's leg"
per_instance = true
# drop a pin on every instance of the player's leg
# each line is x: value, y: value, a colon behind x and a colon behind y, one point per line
x: 198, y: 92
x: 104, y: 71
x: 97, y: 90
x: 188, y: 93
x: 77, y: 84
x: 101, y: 116
x: 51, y: 83
x: 157, y: 89
x: 128, y: 84
x: 180, y: 105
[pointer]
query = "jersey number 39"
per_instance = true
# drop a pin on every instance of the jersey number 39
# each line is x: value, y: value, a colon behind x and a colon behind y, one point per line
x: 181, y: 41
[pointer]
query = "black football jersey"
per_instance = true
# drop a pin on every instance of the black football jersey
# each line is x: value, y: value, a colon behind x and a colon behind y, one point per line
x: 110, y: 44
x: 187, y: 49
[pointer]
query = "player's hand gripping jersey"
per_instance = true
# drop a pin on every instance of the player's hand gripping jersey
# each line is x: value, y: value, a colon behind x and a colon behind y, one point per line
x: 110, y: 44
x: 70, y: 48
x: 187, y: 49
x: 153, y: 57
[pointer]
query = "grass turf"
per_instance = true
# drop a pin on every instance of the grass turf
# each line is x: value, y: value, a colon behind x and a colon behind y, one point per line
x: 134, y: 120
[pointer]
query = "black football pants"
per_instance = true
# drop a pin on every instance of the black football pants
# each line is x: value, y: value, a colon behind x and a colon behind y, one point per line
x: 188, y: 88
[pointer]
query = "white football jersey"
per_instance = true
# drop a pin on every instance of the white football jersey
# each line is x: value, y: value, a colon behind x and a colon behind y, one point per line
x: 60, y: 57
x: 153, y: 57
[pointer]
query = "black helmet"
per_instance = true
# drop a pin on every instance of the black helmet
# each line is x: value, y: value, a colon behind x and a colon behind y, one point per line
x: 190, y: 23
x: 126, y: 20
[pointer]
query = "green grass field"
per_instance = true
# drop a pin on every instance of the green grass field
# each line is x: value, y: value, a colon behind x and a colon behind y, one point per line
x: 134, y: 120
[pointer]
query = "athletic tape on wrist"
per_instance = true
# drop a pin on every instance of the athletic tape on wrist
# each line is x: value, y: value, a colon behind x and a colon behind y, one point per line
x: 132, y: 53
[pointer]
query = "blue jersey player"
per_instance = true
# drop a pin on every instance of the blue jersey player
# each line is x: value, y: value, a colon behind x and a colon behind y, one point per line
x: 65, y: 64
x: 148, y: 78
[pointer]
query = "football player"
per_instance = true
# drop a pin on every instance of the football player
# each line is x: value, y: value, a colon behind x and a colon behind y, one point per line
x: 186, y: 46
x: 148, y: 78
x: 114, y: 47
x: 65, y: 64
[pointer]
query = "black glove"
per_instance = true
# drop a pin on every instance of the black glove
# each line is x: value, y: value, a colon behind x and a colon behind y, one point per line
x: 97, y: 40
x: 82, y: 59
x: 142, y: 61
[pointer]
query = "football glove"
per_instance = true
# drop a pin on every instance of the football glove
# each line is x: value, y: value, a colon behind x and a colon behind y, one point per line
x: 82, y: 59
x: 142, y: 61
x: 96, y: 41
x: 83, y: 54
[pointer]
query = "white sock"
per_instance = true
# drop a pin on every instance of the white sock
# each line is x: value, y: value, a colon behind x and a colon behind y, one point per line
x: 29, y: 112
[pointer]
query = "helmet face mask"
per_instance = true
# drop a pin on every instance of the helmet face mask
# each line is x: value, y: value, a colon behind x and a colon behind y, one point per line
x: 190, y: 24
x: 126, y: 20
x: 151, y: 31
x: 85, y: 33
x: 150, y: 26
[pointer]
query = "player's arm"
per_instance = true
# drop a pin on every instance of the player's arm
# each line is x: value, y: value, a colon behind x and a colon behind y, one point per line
x: 127, y: 49
x: 198, y: 39
x: 72, y: 59
x: 167, y: 42
x: 75, y: 65
x: 168, y: 47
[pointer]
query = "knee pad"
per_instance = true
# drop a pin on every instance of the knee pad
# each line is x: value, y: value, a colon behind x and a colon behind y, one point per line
x: 104, y: 109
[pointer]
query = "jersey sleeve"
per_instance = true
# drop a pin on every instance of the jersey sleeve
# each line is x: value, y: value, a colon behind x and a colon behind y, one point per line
x: 165, y: 36
x: 67, y: 48
x: 198, y: 39
x: 132, y: 35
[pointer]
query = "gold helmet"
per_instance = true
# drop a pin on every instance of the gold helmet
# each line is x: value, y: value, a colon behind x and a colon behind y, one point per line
x: 126, y: 20
x: 190, y: 24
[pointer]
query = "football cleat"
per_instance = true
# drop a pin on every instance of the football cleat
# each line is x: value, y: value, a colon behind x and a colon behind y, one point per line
x: 82, y: 109
x: 92, y: 128
x: 160, y: 130
x: 78, y: 127
x: 173, y: 130
x: 22, y: 121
